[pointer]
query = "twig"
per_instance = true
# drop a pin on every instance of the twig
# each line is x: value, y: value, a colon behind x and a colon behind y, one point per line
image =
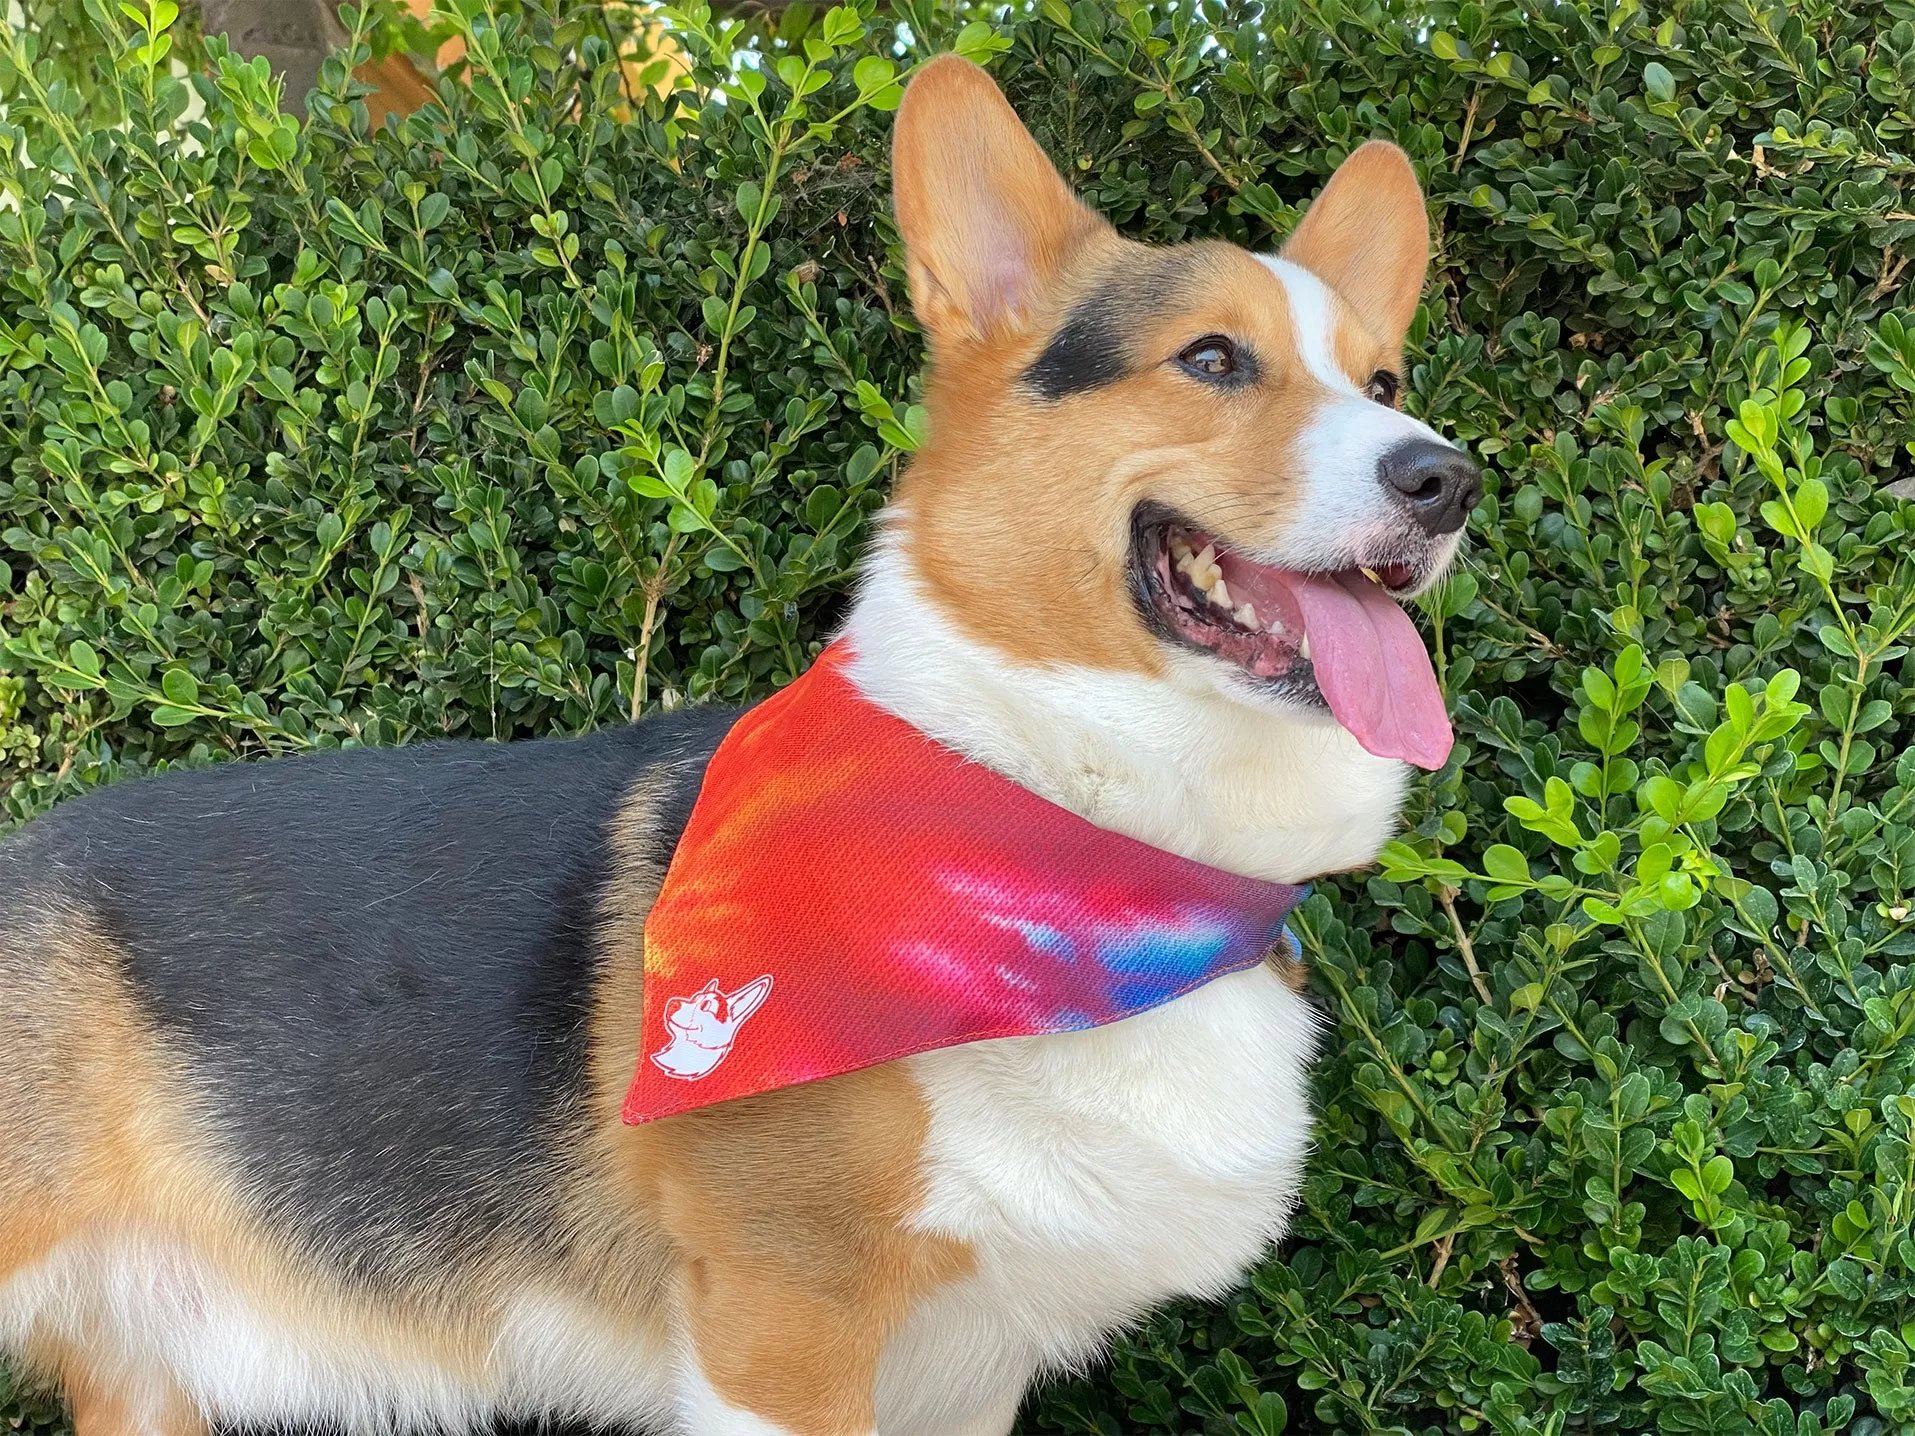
x: 1892, y: 267
x: 654, y: 588
x: 1526, y: 1323
x: 1469, y: 127
x: 419, y: 597
x: 1447, y: 896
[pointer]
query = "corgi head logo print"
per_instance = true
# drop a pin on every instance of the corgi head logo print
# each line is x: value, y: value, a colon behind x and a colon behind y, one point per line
x: 703, y: 1027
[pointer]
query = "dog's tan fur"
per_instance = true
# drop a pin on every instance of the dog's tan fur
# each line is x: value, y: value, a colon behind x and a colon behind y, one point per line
x: 86, y: 1103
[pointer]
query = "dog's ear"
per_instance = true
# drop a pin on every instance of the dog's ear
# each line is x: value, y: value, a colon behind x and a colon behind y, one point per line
x: 986, y: 218
x: 1367, y: 236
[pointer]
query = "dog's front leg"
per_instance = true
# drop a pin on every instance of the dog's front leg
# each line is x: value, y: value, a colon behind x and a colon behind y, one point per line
x: 798, y: 1257
x: 770, y: 1355
x: 121, y: 1402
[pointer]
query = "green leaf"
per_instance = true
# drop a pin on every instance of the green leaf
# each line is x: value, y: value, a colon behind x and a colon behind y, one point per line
x: 1601, y: 692
x: 530, y: 408
x: 1811, y: 503
x: 704, y: 498
x: 977, y: 41
x: 842, y: 25
x: 678, y: 468
x: 1506, y: 864
x: 873, y: 72
x: 1717, y: 1174
x: 1267, y: 1416
x: 180, y: 687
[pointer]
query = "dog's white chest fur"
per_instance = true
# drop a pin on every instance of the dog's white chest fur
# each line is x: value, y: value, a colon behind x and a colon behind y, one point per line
x: 1095, y: 1175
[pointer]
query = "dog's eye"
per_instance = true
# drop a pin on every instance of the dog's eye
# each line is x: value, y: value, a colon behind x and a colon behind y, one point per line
x: 1212, y: 357
x: 1382, y: 388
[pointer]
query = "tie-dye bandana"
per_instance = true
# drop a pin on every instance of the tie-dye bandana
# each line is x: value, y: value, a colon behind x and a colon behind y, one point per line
x: 850, y: 892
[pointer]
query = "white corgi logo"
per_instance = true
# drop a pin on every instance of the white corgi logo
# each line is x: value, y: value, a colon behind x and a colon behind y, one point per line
x: 704, y: 1026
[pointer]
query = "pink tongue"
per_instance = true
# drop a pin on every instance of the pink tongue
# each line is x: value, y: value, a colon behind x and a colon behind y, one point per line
x: 1372, y: 667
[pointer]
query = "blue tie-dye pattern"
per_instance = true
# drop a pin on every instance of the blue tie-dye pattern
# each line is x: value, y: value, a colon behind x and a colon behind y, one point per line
x: 1183, y: 951
x: 1152, y: 965
x: 1156, y: 964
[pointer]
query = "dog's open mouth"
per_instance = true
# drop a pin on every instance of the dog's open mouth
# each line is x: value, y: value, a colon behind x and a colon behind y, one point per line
x: 1340, y: 639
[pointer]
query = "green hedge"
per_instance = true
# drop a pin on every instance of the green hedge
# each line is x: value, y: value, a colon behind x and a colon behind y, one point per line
x: 551, y: 404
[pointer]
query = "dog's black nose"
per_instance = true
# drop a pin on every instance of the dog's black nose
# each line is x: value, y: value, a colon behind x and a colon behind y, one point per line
x: 1438, y: 483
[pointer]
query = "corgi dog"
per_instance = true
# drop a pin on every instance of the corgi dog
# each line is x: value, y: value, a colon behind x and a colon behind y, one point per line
x: 310, y: 1106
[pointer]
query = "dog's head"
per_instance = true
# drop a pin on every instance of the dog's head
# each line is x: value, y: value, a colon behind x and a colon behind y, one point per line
x: 1187, y: 462
x: 711, y: 1017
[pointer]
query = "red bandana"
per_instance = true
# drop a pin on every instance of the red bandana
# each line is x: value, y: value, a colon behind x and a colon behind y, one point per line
x: 849, y: 891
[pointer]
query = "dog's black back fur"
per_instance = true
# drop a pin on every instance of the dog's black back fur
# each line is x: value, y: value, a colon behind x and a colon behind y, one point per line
x: 383, y: 962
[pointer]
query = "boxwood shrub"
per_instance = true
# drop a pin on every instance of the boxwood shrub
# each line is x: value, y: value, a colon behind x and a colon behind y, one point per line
x: 572, y: 394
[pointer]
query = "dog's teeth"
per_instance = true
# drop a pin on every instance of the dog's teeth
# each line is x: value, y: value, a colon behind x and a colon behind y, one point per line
x: 1220, y: 593
x: 1247, y: 616
x: 1208, y: 558
x: 1369, y: 573
x: 1303, y: 648
x: 1180, y: 551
